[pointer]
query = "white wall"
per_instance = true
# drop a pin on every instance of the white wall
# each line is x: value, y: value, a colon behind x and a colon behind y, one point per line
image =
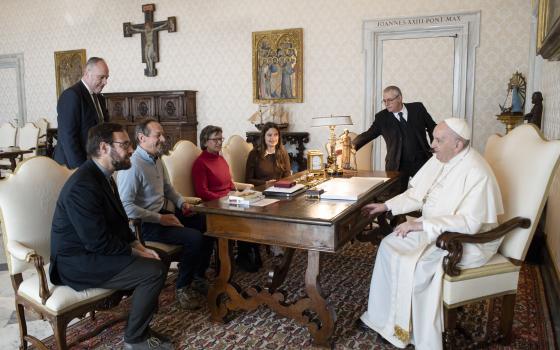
x: 211, y: 52
x: 551, y: 126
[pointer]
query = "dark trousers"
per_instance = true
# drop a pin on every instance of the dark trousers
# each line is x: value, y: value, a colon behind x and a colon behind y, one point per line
x: 196, y: 249
x: 146, y: 277
x: 407, y: 170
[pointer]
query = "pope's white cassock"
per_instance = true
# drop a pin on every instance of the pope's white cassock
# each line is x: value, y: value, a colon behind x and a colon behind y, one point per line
x: 461, y: 195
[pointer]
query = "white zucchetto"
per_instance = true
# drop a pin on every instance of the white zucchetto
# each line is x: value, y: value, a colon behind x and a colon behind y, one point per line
x: 459, y: 126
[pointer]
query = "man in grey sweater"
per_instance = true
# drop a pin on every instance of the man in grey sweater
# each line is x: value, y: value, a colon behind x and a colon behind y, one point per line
x: 143, y: 190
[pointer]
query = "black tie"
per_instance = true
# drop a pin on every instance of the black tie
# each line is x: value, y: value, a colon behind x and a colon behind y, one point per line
x: 113, y: 186
x: 98, y: 108
x: 401, y: 119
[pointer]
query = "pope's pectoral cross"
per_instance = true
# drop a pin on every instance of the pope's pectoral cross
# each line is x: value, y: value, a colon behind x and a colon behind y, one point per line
x: 149, y: 33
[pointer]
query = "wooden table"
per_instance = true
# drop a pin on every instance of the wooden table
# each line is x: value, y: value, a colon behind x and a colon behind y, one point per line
x: 12, y: 153
x: 297, y: 223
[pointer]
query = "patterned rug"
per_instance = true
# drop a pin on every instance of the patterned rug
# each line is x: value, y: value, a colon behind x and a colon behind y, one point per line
x: 345, y: 278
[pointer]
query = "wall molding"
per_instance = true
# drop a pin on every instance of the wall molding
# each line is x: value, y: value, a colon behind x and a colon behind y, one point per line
x: 464, y: 27
x: 15, y: 61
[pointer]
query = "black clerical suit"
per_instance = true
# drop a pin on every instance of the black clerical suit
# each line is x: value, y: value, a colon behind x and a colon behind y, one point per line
x: 407, y: 146
x: 77, y: 113
x: 90, y: 247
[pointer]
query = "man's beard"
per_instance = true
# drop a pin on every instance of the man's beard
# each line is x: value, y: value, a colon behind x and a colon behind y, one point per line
x: 120, y: 163
x: 163, y: 148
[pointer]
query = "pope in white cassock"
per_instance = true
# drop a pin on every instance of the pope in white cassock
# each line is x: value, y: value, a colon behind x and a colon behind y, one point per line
x: 456, y: 191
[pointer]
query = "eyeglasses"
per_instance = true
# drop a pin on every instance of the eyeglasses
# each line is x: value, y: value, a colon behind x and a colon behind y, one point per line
x: 123, y: 144
x: 217, y: 140
x: 389, y: 100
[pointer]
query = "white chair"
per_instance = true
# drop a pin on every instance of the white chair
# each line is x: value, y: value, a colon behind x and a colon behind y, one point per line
x: 43, y: 125
x: 179, y: 164
x: 235, y: 152
x: 28, y: 138
x: 363, y: 157
x: 27, y: 204
x: 7, y: 135
x: 524, y: 164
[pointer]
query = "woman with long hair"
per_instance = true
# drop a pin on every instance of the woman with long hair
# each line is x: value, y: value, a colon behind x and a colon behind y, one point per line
x: 266, y: 163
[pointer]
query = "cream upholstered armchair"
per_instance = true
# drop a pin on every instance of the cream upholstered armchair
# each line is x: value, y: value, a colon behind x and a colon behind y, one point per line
x: 27, y: 204
x: 28, y: 138
x: 7, y: 139
x: 43, y: 125
x: 179, y: 164
x: 524, y: 165
x: 235, y: 151
x: 7, y: 135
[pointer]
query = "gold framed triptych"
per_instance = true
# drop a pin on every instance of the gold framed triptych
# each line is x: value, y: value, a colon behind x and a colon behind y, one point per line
x: 278, y: 66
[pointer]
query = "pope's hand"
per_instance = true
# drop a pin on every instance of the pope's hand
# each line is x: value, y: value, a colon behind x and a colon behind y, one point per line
x: 403, y: 229
x: 373, y: 208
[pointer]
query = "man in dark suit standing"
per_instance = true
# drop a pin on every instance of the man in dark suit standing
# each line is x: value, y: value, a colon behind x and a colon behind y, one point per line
x: 403, y: 127
x: 92, y: 245
x: 80, y: 107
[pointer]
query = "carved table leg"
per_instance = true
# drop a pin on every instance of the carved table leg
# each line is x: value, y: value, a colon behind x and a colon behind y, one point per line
x: 216, y: 294
x: 321, y: 333
x: 277, y: 276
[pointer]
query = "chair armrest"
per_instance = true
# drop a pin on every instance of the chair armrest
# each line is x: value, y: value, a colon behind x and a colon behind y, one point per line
x: 193, y: 200
x: 21, y: 252
x: 240, y: 186
x: 137, y: 226
x: 453, y: 242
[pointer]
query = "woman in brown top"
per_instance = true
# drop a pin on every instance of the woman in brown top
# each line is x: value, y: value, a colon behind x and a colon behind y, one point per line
x: 266, y: 163
x: 269, y: 161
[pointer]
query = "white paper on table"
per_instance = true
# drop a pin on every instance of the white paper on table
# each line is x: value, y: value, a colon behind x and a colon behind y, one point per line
x: 350, y: 189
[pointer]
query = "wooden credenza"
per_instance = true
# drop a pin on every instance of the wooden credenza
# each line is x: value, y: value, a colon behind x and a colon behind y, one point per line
x: 175, y: 110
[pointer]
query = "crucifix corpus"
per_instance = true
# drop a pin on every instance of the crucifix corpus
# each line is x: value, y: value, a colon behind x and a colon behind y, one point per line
x: 149, y: 34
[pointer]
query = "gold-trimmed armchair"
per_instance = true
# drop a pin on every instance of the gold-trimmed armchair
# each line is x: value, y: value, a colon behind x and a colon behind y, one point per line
x: 236, y: 151
x: 27, y: 203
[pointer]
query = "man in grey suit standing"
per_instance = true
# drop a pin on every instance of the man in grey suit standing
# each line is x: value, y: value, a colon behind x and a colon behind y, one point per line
x: 80, y: 107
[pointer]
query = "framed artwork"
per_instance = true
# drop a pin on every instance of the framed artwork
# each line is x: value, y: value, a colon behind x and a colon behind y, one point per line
x: 548, y: 29
x: 278, y: 66
x: 315, y: 162
x: 69, y: 67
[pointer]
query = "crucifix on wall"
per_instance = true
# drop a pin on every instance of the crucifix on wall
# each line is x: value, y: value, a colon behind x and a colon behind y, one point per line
x: 149, y: 34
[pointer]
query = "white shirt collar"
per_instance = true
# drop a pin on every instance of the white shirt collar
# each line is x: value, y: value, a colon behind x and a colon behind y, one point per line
x: 404, y: 112
x: 87, y: 87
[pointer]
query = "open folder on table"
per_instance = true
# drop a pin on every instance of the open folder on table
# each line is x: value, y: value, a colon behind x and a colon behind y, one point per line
x: 350, y: 189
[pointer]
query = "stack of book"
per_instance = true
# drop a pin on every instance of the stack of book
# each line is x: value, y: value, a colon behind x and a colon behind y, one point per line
x: 245, y: 197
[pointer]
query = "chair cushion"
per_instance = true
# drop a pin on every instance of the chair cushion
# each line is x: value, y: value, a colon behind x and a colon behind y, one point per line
x: 498, y: 276
x: 63, y: 298
x: 168, y: 249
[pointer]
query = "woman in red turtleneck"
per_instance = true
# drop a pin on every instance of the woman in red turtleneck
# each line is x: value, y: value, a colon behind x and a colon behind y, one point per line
x: 212, y: 180
x: 210, y: 171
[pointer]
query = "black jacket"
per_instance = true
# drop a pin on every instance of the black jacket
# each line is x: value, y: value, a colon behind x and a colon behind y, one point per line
x: 386, y: 125
x: 76, y: 115
x: 90, y: 236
